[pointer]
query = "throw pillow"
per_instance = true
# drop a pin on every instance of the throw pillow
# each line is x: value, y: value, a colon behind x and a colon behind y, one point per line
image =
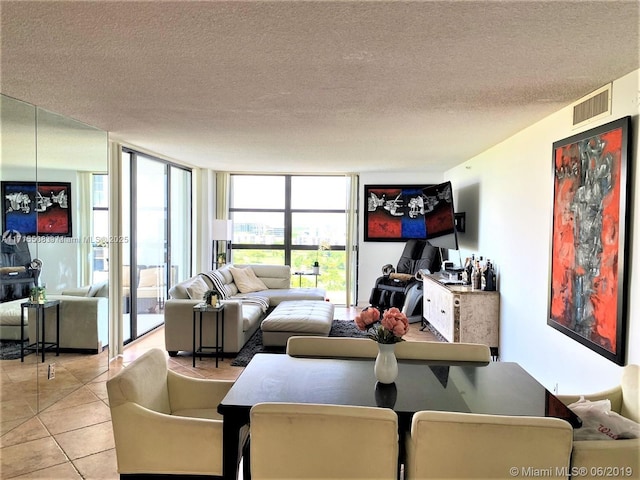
x: 196, y: 288
x: 246, y: 280
x: 151, y: 277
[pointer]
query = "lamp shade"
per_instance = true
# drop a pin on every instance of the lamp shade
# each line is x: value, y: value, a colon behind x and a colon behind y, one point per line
x: 222, y: 230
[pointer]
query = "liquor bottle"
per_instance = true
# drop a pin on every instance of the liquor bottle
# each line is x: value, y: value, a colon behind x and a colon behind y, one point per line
x: 489, y: 278
x: 475, y: 276
x: 469, y: 269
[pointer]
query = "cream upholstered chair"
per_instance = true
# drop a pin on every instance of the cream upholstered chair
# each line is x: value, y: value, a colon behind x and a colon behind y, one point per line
x: 346, y: 347
x: 308, y: 441
x: 349, y: 347
x: 164, y: 422
x: 467, y: 445
x: 597, y: 455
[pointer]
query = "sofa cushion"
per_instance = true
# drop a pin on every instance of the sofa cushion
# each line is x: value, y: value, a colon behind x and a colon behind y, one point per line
x: 100, y: 289
x: 279, y: 295
x: 246, y: 280
x: 196, y: 288
x: 151, y: 277
x: 219, y: 284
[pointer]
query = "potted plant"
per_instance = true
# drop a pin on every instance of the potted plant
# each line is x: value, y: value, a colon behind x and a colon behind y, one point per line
x: 37, y: 295
x: 211, y: 297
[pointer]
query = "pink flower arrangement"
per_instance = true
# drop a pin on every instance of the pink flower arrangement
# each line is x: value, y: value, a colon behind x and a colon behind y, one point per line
x: 388, y: 329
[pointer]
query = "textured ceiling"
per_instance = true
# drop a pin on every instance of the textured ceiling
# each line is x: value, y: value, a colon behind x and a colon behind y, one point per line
x: 314, y: 86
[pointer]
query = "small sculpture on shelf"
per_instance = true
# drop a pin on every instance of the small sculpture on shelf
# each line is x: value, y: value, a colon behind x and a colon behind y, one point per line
x: 211, y: 297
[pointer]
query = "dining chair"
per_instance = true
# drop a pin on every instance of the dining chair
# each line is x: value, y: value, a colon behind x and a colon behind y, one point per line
x: 472, y: 446
x: 345, y: 347
x: 165, y: 423
x: 349, y: 347
x: 309, y: 441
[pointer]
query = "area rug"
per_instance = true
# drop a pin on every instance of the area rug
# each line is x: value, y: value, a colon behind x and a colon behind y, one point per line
x: 10, y: 349
x: 339, y: 328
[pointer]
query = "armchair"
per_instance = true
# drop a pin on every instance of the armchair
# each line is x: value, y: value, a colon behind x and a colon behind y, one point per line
x: 164, y: 422
x: 398, y: 287
x: 597, y: 455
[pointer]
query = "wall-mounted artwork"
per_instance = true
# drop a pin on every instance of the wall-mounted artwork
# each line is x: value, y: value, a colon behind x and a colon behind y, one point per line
x: 588, y: 287
x: 394, y: 213
x: 42, y: 208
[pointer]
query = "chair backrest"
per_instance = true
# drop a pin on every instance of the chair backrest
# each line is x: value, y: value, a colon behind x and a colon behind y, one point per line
x: 410, y: 254
x: 143, y: 382
x: 305, y: 441
x: 346, y: 347
x: 349, y: 347
x: 465, y: 445
x: 630, y: 392
x: 461, y: 352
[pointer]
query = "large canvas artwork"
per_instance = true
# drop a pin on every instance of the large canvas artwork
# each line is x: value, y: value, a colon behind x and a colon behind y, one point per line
x: 394, y: 213
x: 588, y: 296
x: 41, y: 208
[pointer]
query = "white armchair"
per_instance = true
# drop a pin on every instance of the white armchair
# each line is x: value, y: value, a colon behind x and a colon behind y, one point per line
x: 595, y: 456
x: 164, y: 422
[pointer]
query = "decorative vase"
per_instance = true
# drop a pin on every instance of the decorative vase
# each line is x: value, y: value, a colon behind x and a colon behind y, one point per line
x: 213, y: 300
x: 386, y: 367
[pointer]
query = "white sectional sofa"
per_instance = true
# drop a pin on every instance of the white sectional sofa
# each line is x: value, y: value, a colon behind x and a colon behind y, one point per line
x: 243, y: 314
x: 84, y: 319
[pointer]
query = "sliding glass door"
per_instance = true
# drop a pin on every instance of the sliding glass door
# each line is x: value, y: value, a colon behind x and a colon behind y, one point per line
x: 157, y: 215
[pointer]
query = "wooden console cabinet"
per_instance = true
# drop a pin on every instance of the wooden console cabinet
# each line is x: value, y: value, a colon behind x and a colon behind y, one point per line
x: 462, y: 314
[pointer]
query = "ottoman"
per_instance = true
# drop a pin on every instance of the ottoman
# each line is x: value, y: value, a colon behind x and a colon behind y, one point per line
x: 297, y: 317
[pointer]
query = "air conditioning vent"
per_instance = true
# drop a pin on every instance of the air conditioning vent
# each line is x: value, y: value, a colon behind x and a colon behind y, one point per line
x: 594, y: 106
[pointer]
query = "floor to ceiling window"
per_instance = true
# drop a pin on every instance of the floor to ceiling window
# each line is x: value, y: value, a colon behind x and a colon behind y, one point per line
x: 293, y: 220
x: 157, y: 220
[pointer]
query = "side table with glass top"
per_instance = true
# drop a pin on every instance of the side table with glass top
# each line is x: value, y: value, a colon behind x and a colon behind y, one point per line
x: 218, y: 348
x: 40, y: 343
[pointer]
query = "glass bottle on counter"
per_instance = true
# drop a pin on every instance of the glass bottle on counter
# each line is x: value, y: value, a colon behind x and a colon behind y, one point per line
x: 489, y: 278
x: 475, y: 276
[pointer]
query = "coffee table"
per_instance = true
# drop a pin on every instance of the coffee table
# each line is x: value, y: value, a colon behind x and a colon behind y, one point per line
x: 500, y: 388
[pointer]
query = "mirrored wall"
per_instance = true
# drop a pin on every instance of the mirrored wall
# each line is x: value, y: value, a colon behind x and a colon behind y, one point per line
x: 55, y: 230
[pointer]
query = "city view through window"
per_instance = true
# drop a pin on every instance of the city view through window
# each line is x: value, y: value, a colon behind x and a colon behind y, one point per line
x: 293, y: 220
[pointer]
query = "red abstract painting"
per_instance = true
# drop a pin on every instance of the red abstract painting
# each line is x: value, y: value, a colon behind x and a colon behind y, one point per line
x: 587, y: 294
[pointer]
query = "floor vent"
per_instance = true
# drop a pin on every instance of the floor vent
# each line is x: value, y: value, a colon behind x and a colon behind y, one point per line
x: 594, y: 106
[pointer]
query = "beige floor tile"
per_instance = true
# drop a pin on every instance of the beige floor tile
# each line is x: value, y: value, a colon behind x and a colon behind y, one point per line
x: 15, y: 410
x: 32, y: 429
x: 101, y: 466
x: 30, y: 457
x: 80, y: 396
x: 65, y: 471
x: 86, y: 441
x: 59, y: 421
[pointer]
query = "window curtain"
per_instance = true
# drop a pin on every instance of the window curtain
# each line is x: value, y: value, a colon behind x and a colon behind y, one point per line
x: 85, y: 222
x: 222, y: 195
x: 351, y: 247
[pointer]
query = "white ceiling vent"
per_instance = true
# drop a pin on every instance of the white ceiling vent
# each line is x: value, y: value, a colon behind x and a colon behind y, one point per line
x: 592, y: 107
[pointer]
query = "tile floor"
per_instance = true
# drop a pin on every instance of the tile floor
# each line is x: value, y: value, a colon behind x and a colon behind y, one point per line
x: 71, y: 437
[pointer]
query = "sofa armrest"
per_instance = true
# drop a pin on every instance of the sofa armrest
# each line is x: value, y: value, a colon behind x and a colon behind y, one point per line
x: 77, y: 292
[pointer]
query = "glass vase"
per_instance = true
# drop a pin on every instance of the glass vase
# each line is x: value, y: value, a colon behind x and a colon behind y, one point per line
x: 386, y: 366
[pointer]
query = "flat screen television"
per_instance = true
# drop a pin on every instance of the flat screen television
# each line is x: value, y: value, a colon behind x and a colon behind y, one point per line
x: 439, y: 216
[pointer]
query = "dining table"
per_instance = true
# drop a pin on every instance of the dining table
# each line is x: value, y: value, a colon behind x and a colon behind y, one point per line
x: 497, y: 388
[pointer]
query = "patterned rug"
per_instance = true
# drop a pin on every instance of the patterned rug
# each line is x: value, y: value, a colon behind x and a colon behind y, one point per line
x: 10, y: 350
x: 339, y: 328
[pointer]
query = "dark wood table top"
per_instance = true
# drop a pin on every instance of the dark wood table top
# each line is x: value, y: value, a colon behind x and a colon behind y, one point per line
x: 501, y: 388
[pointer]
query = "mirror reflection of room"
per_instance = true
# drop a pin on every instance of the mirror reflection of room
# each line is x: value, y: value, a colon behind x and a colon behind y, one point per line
x: 54, y: 257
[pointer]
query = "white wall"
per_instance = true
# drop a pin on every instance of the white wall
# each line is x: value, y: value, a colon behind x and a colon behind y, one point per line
x: 507, y: 194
